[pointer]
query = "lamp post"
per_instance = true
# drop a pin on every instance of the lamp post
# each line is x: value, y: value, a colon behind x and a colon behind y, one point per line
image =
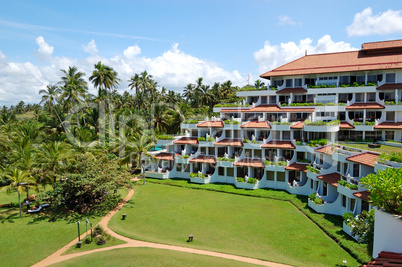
x: 86, y: 226
x: 78, y: 223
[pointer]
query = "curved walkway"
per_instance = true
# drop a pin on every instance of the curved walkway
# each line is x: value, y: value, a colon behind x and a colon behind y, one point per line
x: 131, y: 243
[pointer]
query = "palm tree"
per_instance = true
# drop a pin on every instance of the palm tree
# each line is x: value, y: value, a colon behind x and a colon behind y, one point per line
x: 50, y: 94
x: 227, y: 89
x: 258, y: 84
x: 74, y: 88
x: 52, y: 156
x: 188, y: 91
x: 134, y: 83
x: 105, y: 78
x: 18, y: 180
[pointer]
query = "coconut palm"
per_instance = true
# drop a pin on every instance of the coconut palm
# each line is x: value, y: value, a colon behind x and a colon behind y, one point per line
x: 74, y: 88
x: 105, y: 78
x: 189, y: 91
x: 19, y: 180
x: 50, y: 94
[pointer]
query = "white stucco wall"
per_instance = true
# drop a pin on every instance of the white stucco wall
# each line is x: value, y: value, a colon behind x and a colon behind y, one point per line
x: 387, y: 233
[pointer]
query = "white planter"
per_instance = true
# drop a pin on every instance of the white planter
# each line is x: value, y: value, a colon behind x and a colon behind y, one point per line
x: 245, y: 185
x: 346, y: 191
x: 198, y: 180
x: 328, y: 129
x: 275, y: 168
x: 227, y: 164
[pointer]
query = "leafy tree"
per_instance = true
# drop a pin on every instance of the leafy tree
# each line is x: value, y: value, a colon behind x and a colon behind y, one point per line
x: 386, y: 189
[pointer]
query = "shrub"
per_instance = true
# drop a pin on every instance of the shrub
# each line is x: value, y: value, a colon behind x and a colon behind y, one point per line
x: 166, y: 137
x: 299, y: 143
x: 245, y: 141
x: 362, y: 226
x: 393, y: 156
x: 318, y: 201
x: 357, y: 123
x: 282, y: 163
x: 240, y: 179
x: 312, y: 169
x: 252, y: 180
x: 193, y: 175
x: 371, y: 123
x: 225, y: 159
x: 348, y: 185
x: 386, y: 189
x: 267, y: 162
x: 231, y: 122
x: 185, y: 156
x: 197, y: 175
x: 190, y: 121
x: 312, y: 196
x: 211, y: 139
x: 201, y: 139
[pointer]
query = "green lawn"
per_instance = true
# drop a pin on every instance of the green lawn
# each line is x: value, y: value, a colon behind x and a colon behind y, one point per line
x: 149, y: 257
x: 253, y: 227
x: 383, y: 148
x: 28, y: 240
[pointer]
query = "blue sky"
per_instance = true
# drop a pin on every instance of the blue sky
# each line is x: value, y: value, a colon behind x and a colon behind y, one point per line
x: 178, y: 41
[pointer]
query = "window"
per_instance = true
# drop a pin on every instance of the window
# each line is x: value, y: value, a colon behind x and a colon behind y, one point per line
x: 365, y: 205
x: 309, y: 98
x: 389, y: 135
x: 272, y: 99
x: 371, y: 97
x: 344, y: 80
x: 286, y: 135
x: 298, y: 82
x: 343, y: 98
x: 343, y: 201
x: 325, y: 189
x: 178, y: 167
x: 289, y: 83
x: 390, y: 116
x: 187, y: 167
x: 373, y: 115
x: 361, y: 79
x: 221, y: 171
x: 359, y: 97
x: 390, y: 78
x: 341, y: 115
x: 356, y: 115
x: 352, y: 204
x: 388, y: 96
x: 270, y: 175
x: 309, y: 81
x: 312, y: 184
x: 277, y: 83
x: 356, y: 170
x: 375, y: 135
x: 280, y: 177
x: 230, y: 172
x: 371, y: 78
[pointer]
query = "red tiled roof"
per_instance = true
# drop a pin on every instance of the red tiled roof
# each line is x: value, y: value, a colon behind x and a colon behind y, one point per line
x: 212, y: 124
x: 296, y: 90
x: 367, y: 158
x: 256, y: 124
x: 186, y: 140
x: 389, y: 125
x: 346, y: 125
x: 279, y: 144
x: 390, y: 86
x: 165, y: 156
x: 382, y: 45
x: 229, y: 142
x: 297, y: 167
x: 326, y: 149
x: 269, y: 108
x: 365, y: 195
x: 340, y: 62
x: 204, y: 159
x: 365, y: 106
x: 331, y: 178
x: 389, y: 259
x: 298, y: 125
x: 250, y: 163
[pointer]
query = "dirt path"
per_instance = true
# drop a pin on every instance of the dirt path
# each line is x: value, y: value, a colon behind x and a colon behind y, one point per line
x: 131, y: 243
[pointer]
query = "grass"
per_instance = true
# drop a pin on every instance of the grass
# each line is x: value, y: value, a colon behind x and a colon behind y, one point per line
x: 30, y: 239
x: 149, y: 257
x: 383, y: 148
x: 330, y: 224
x: 253, y: 227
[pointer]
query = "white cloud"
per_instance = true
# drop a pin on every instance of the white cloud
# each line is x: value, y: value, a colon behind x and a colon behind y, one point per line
x: 132, y: 51
x: 45, y: 50
x: 285, y: 20
x: 272, y: 56
x: 173, y: 69
x: 90, y: 47
x: 365, y: 23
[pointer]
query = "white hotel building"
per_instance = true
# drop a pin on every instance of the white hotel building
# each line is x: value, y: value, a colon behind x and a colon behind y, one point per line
x: 267, y: 141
